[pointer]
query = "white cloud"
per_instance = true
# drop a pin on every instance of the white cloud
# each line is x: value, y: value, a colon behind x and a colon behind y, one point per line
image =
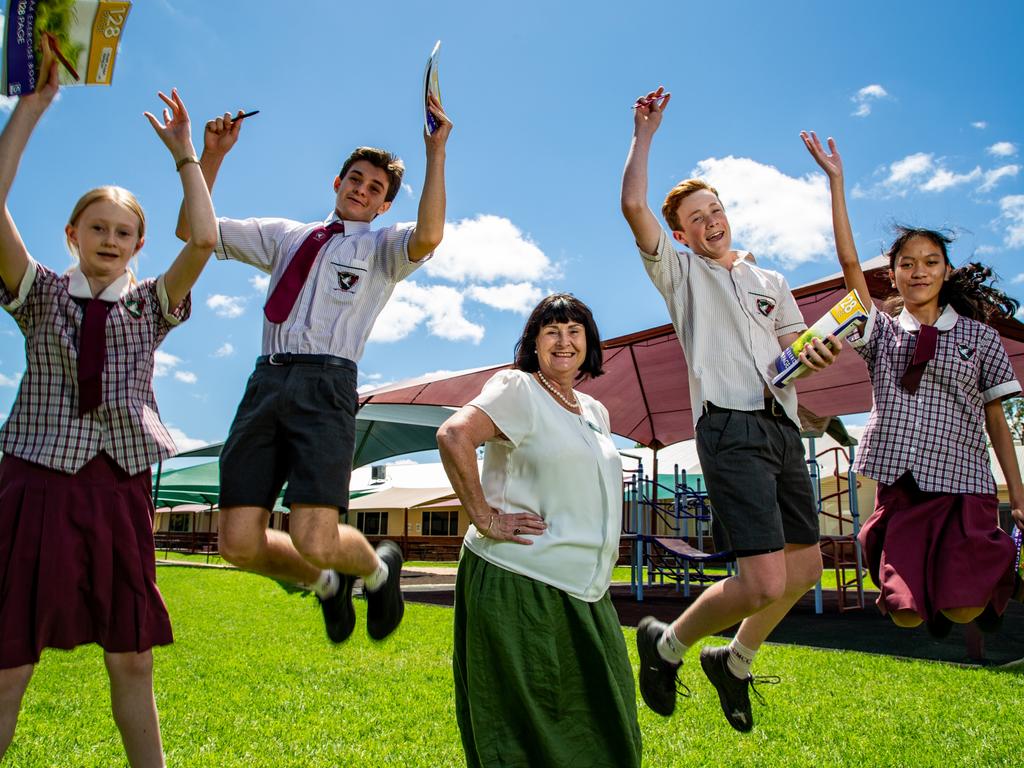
x: 486, y: 249
x: 1019, y: 278
x: 981, y: 125
x: 985, y: 250
x: 227, y: 349
x: 227, y: 306
x: 439, y: 305
x: 183, y: 441
x: 514, y: 297
x: 260, y: 282
x: 909, y: 169
x: 1012, y: 207
x: 186, y: 376
x: 943, y: 179
x: 1002, y: 149
x: 865, y: 97
x: 761, y: 202
x: 407, y: 188
x: 993, y: 176
x: 10, y: 381
x: 164, y: 363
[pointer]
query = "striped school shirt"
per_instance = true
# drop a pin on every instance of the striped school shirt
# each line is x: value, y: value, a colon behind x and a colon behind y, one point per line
x: 728, y: 322
x: 44, y: 426
x: 350, y: 282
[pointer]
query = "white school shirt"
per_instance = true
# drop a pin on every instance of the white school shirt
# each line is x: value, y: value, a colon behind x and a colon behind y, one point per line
x: 728, y: 322
x: 562, y: 466
x: 350, y: 282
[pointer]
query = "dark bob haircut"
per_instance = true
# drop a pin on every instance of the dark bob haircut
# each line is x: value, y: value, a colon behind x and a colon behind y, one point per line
x: 560, y: 308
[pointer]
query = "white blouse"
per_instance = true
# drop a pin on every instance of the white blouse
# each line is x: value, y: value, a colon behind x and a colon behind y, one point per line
x: 561, y: 466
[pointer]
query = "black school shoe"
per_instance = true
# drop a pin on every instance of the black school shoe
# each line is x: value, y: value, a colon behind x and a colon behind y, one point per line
x: 733, y: 693
x: 385, y: 606
x: 339, y: 613
x: 657, y: 676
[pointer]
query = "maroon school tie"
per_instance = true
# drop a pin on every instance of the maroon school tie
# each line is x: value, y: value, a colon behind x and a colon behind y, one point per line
x: 924, y: 351
x: 282, y: 299
x: 92, y: 350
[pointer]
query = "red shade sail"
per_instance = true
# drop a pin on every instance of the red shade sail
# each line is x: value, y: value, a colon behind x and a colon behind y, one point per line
x: 646, y: 388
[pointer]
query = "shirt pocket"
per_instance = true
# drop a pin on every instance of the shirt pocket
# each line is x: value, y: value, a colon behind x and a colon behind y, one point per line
x: 347, y: 278
x: 763, y: 308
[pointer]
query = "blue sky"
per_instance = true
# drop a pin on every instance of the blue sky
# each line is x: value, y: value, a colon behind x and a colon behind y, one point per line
x: 918, y: 95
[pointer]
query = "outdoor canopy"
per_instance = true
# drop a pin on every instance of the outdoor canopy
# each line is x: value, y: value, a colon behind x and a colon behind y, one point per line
x: 645, y: 386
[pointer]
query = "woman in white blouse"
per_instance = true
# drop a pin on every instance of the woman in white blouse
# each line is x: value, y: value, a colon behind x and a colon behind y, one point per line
x: 542, y: 677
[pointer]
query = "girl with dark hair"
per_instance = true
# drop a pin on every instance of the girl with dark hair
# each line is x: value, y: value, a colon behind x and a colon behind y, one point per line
x: 542, y: 676
x: 939, y: 375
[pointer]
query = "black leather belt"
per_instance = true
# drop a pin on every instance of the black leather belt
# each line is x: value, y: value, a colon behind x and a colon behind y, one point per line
x: 287, y: 358
x: 772, y: 408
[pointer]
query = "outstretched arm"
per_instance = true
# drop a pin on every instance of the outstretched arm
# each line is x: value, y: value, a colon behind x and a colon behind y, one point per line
x: 647, y: 114
x: 1002, y: 446
x: 832, y: 165
x: 430, y: 218
x: 176, y: 133
x: 15, y: 136
x: 219, y: 137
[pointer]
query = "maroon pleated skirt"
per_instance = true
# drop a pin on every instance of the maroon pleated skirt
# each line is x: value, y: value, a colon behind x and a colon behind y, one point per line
x: 930, y: 552
x: 77, y: 561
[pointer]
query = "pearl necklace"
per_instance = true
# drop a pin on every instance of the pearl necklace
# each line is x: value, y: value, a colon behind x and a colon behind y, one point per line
x: 574, y: 404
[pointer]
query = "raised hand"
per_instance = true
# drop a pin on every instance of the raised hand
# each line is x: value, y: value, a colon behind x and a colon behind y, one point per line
x: 648, y: 109
x: 48, y: 83
x: 439, y: 137
x: 831, y: 163
x: 175, y: 131
x: 221, y: 134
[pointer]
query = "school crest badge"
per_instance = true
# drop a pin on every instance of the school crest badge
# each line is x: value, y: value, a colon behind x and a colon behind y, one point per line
x: 765, y: 306
x: 133, y: 307
x: 347, y: 281
x: 966, y: 352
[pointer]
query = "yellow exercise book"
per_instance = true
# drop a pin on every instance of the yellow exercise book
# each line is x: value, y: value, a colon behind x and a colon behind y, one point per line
x: 838, y: 322
x: 84, y: 33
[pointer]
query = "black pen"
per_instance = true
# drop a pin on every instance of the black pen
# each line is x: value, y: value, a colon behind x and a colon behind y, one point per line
x: 244, y: 115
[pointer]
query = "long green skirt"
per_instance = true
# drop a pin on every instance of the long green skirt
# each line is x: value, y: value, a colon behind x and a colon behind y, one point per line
x: 541, y: 678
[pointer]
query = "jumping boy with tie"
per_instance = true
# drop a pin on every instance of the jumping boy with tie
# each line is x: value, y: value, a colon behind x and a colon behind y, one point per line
x: 328, y: 282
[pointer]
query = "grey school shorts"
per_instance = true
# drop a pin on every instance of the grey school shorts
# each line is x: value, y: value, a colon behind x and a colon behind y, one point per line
x: 296, y: 423
x: 755, y: 472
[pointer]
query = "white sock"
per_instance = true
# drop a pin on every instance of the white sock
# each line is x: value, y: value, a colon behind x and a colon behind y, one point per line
x: 378, y: 578
x: 327, y: 585
x: 669, y: 646
x: 740, y: 659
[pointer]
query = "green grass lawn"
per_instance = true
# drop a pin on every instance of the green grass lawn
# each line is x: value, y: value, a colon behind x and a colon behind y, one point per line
x: 252, y: 682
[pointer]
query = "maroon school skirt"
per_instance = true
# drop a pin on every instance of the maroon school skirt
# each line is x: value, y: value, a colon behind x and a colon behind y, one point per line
x: 929, y: 552
x: 77, y: 562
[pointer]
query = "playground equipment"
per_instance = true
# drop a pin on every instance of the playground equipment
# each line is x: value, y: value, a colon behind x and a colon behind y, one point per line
x: 840, y: 551
x: 670, y: 529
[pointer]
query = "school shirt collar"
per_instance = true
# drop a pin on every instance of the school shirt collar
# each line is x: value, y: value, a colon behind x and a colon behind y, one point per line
x: 78, y: 286
x: 946, y: 320
x: 742, y: 257
x: 351, y: 227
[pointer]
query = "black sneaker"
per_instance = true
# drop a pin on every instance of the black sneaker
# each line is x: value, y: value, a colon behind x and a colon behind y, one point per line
x: 384, y: 607
x: 657, y: 676
x: 339, y: 613
x: 733, y: 693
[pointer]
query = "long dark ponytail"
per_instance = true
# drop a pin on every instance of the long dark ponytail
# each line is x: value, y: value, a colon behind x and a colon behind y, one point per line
x: 969, y: 289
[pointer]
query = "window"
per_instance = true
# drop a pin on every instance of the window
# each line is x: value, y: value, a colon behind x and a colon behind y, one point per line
x: 372, y: 523
x: 441, y: 523
x: 378, y: 473
x: 179, y: 522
